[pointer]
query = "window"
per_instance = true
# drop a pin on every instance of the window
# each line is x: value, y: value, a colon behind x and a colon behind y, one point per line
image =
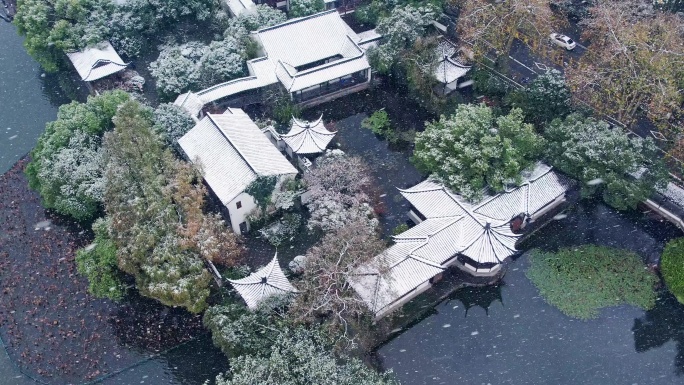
x: 239, y: 205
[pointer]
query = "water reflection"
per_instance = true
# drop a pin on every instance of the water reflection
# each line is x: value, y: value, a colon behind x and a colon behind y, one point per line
x: 662, y: 324
x: 482, y: 297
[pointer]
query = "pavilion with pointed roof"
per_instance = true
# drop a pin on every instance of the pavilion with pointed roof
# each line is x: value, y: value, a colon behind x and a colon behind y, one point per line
x: 450, y: 72
x: 450, y: 231
x: 307, y: 138
x: 269, y: 280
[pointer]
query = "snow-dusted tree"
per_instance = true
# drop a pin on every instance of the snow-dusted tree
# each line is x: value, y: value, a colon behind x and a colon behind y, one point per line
x: 264, y: 16
x: 625, y: 170
x: 301, y: 356
x: 98, y: 263
x: 545, y: 99
x: 400, y: 31
x: 171, y: 123
x: 53, y: 27
x: 237, y: 331
x: 338, y: 186
x: 173, y: 10
x: 177, y: 69
x: 155, y: 203
x: 324, y: 290
x: 299, y: 8
x: 72, y: 179
x: 223, y: 61
x: 495, y: 25
x: 65, y: 166
x: 472, y: 149
x: 634, y: 64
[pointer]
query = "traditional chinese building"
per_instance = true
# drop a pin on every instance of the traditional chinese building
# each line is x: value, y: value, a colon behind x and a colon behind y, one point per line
x: 232, y: 152
x: 260, y: 285
x: 314, y: 59
x: 97, y: 62
x: 450, y: 231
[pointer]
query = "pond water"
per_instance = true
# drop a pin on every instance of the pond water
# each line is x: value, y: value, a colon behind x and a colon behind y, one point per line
x: 508, y: 334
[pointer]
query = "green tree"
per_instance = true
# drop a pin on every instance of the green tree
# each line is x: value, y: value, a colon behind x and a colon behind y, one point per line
x: 299, y: 8
x: 300, y: 356
x: 54, y: 27
x: 624, y: 170
x: 379, y: 124
x: 155, y: 203
x: 472, y: 149
x: 545, y: 99
x: 66, y: 165
x: 581, y: 280
x: 400, y: 30
x: 672, y: 267
x: 98, y: 263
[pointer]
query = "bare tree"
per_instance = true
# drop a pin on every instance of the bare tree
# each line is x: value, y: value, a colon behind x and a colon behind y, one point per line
x: 324, y: 290
x: 633, y: 62
x: 495, y: 26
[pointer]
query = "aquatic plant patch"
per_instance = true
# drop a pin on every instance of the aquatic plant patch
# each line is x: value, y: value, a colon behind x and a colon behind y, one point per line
x: 581, y: 280
x: 672, y: 267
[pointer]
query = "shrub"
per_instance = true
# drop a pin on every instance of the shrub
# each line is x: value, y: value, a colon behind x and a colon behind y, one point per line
x: 400, y: 229
x: 672, y: 267
x: 581, y: 280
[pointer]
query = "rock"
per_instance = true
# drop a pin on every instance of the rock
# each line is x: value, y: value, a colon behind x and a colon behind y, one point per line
x: 297, y: 264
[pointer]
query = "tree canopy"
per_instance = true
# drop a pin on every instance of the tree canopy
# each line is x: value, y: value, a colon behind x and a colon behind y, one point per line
x: 545, y: 99
x: 400, y: 30
x: 155, y: 204
x: 473, y: 149
x: 299, y: 8
x: 493, y: 26
x: 624, y: 170
x: 300, y: 356
x: 66, y: 165
x: 99, y: 264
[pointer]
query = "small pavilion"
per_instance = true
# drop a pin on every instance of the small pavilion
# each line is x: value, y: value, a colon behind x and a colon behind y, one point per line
x: 450, y: 72
x: 269, y: 280
x: 97, y: 62
x: 307, y: 138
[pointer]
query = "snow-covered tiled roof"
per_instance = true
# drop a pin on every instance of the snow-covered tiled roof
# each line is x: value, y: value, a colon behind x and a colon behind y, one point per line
x: 238, y: 7
x: 448, y: 69
x: 262, y: 284
x: 232, y: 152
x: 190, y: 102
x: 390, y: 276
x: 262, y: 73
x: 541, y: 187
x: 96, y: 62
x: 452, y: 227
x: 302, y: 41
x: 308, y: 137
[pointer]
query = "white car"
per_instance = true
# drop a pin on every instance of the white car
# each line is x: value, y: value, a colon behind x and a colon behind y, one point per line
x: 563, y: 41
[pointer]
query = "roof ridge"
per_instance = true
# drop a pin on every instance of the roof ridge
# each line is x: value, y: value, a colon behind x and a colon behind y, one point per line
x: 297, y: 20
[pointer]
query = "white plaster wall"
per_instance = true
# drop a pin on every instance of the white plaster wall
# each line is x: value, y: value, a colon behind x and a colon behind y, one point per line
x: 238, y: 216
